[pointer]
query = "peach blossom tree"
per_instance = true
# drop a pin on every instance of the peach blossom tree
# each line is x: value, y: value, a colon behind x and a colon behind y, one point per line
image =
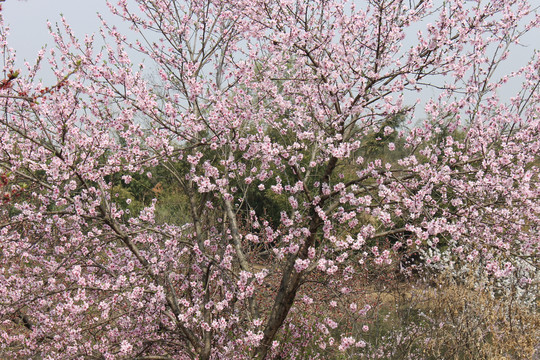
x: 276, y: 98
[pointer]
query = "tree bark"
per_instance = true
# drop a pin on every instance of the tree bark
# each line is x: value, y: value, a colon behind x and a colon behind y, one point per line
x: 290, y: 283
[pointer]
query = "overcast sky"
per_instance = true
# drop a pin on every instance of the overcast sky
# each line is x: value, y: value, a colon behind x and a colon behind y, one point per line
x: 27, y: 20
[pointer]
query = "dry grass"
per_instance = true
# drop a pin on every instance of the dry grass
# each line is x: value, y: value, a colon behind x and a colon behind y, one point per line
x: 464, y: 322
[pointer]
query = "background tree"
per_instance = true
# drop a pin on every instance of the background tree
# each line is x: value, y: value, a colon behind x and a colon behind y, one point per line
x: 272, y: 102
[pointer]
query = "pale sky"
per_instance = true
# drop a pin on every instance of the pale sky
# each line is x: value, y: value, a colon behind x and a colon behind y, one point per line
x: 27, y: 20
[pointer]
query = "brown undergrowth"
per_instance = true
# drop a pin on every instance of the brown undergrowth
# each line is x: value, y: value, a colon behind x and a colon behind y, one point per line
x: 410, y: 318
